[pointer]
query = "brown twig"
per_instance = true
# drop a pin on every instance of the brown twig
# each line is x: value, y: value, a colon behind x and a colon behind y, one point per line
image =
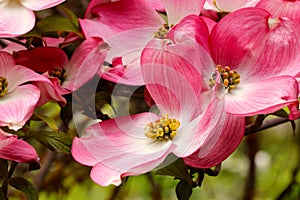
x: 267, y: 124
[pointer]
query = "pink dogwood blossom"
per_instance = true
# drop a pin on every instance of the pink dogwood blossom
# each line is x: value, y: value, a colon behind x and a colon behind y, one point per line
x: 11, y: 148
x: 66, y: 76
x: 255, y: 58
x: 17, y: 98
x: 136, y: 144
x: 117, y: 25
x: 216, y: 149
x: 17, y: 17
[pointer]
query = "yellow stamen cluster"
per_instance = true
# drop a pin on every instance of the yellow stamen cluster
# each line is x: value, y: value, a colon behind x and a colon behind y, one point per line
x: 59, y: 73
x: 229, y: 78
x: 3, y: 86
x: 163, y: 31
x: 162, y: 129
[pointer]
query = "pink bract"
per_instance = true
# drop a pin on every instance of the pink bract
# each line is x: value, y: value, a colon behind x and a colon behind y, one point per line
x: 229, y: 5
x: 17, y: 150
x: 17, y: 17
x: 281, y: 8
x: 18, y: 103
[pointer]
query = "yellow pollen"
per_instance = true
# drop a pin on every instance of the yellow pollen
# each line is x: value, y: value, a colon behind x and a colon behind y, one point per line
x: 163, y: 31
x: 229, y: 78
x: 162, y: 129
x: 3, y: 86
x: 59, y: 73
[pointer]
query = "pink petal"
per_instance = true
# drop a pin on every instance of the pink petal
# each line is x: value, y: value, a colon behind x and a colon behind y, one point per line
x: 41, y: 5
x: 128, y: 75
x: 202, y: 132
x: 41, y: 59
x: 49, y: 92
x: 122, y: 44
x: 15, y: 74
x: 270, y: 47
x: 17, y: 150
x: 262, y: 96
x: 116, y: 17
x: 15, y: 19
x: 178, y: 9
x: 124, y: 146
x: 105, y: 175
x: 85, y: 62
x: 190, y: 29
x: 92, y: 4
x: 161, y: 65
x: 17, y: 106
x: 281, y: 8
x: 18, y: 75
x: 209, y: 23
x: 230, y: 138
x: 157, y: 5
x: 230, y: 5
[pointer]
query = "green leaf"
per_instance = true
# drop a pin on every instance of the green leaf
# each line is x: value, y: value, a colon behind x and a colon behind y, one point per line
x: 25, y: 186
x: 183, y: 190
x: 175, y: 168
x: 55, y: 141
x: 56, y: 23
x: 49, y: 121
x: 2, y: 196
x: 69, y: 14
x: 33, y: 33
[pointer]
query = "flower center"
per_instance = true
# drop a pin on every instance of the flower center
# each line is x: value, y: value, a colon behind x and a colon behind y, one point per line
x: 163, y: 31
x: 3, y: 86
x: 59, y: 73
x: 162, y: 129
x: 229, y: 78
x: 273, y: 22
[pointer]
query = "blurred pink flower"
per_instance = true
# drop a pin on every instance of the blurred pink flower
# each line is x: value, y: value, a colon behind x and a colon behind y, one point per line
x: 17, y: 150
x: 136, y: 144
x: 17, y: 17
x: 18, y: 98
x: 128, y: 33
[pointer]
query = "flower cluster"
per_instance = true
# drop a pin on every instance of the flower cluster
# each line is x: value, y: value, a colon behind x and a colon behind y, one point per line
x: 203, y: 67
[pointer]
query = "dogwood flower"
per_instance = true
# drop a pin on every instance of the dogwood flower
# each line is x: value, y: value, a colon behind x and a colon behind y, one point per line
x: 18, y: 98
x: 158, y: 52
x: 11, y: 148
x: 17, y: 17
x: 136, y: 144
x: 254, y: 58
x: 117, y: 25
x: 66, y: 76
